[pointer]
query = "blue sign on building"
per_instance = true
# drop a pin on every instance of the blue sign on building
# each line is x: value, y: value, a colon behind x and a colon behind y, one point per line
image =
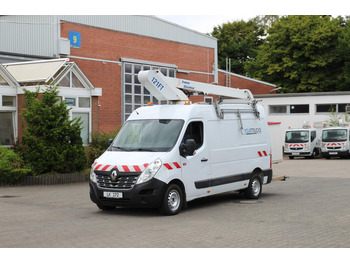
x: 75, y: 39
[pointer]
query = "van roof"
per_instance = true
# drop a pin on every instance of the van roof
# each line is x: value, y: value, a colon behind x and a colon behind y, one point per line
x: 174, y: 112
x: 185, y: 112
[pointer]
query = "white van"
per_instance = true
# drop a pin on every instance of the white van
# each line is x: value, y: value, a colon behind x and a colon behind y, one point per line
x: 335, y: 142
x: 167, y: 155
x: 302, y: 142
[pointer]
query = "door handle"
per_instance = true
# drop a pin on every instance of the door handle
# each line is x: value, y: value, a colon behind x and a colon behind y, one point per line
x: 204, y: 160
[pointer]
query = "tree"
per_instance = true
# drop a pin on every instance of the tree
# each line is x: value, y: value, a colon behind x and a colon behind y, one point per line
x: 238, y: 40
x: 301, y: 54
x: 51, y: 141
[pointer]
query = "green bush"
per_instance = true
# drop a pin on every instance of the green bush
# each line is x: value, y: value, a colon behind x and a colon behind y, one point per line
x: 12, y: 169
x: 51, y: 141
x: 99, y: 144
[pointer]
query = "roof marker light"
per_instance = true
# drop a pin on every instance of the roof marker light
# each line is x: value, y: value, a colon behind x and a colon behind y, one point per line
x: 150, y: 103
x: 187, y: 102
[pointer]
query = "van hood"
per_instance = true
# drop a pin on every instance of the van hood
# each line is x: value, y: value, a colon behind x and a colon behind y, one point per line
x: 125, y: 161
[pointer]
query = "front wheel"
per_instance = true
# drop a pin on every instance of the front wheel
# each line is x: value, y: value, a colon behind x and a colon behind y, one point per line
x: 254, y: 189
x: 172, y: 200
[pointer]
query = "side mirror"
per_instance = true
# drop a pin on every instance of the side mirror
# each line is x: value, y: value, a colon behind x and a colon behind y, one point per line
x: 110, y: 142
x: 188, y: 148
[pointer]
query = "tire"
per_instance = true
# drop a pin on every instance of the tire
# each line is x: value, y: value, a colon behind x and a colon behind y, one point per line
x: 291, y: 157
x: 102, y: 207
x: 172, y: 200
x: 254, y: 188
x: 314, y: 154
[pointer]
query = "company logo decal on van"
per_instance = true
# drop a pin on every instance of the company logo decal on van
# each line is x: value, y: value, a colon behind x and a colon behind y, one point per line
x: 251, y: 131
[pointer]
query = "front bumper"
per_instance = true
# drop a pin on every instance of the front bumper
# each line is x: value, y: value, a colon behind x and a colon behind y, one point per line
x: 335, y: 153
x: 297, y: 153
x: 148, y: 194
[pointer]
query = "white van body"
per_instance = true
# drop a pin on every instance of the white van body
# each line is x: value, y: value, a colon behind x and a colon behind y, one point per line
x: 167, y: 155
x: 335, y: 142
x: 302, y: 142
x: 226, y: 160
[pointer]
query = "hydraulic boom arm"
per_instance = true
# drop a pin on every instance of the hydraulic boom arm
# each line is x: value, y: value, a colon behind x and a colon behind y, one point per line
x: 167, y: 88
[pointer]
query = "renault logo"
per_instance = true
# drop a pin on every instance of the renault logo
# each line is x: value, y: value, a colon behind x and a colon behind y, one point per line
x: 114, y: 176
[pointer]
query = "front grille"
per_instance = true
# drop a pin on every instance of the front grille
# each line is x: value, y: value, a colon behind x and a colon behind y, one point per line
x: 125, y: 180
x: 296, y: 148
x: 334, y: 147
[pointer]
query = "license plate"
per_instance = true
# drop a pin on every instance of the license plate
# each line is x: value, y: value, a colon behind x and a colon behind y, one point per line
x: 295, y: 154
x: 113, y: 194
x: 333, y: 153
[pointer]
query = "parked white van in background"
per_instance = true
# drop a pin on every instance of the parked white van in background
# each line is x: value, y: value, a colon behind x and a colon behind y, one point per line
x: 302, y: 142
x: 167, y: 155
x: 335, y: 141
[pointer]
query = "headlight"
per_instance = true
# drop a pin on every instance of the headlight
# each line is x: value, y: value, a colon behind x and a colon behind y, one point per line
x: 346, y: 146
x: 306, y: 147
x: 93, y: 175
x: 286, y: 148
x: 149, y: 172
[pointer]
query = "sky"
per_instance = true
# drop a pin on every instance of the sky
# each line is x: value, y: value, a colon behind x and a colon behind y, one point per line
x: 199, y: 15
x: 203, y: 23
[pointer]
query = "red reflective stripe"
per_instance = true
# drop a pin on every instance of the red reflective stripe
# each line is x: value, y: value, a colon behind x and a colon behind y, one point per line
x: 126, y: 169
x: 107, y: 166
x: 259, y: 153
x: 168, y: 166
x: 145, y: 165
x: 265, y: 153
x: 97, y: 167
x: 176, y: 165
x: 137, y: 169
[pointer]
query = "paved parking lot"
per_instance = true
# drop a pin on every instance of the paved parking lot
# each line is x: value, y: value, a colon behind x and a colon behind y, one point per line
x: 311, y: 209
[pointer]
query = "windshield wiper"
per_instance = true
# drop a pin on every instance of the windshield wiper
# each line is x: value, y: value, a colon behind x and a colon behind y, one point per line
x: 143, y: 149
x: 120, y: 148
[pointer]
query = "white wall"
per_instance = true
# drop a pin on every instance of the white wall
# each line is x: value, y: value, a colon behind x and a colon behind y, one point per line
x: 297, y: 120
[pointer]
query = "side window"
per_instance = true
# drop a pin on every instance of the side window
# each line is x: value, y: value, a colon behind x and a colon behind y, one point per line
x: 313, y: 135
x: 194, y: 131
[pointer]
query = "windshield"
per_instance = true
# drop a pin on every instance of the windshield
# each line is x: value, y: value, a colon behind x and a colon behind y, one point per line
x: 332, y: 135
x: 297, y: 136
x: 148, y: 135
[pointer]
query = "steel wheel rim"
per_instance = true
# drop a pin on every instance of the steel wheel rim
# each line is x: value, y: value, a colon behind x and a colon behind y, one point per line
x: 174, y: 200
x: 256, y: 187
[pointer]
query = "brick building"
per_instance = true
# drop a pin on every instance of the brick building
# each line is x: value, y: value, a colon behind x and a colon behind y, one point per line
x: 110, y: 51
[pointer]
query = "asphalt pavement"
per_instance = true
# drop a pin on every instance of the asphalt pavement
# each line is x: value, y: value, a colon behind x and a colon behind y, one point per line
x: 310, y: 209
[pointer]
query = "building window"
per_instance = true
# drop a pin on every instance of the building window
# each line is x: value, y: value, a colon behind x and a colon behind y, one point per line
x: 7, y: 135
x: 3, y: 82
x: 84, y: 133
x: 84, y: 102
x: 299, y: 109
x: 289, y: 109
x: 328, y: 108
x: 136, y: 95
x: 278, y: 109
x: 9, y: 101
x: 342, y: 108
x: 80, y: 107
x: 325, y: 108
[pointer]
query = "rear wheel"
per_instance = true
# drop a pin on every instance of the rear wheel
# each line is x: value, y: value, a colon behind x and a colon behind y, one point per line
x: 172, y: 200
x: 255, y: 186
